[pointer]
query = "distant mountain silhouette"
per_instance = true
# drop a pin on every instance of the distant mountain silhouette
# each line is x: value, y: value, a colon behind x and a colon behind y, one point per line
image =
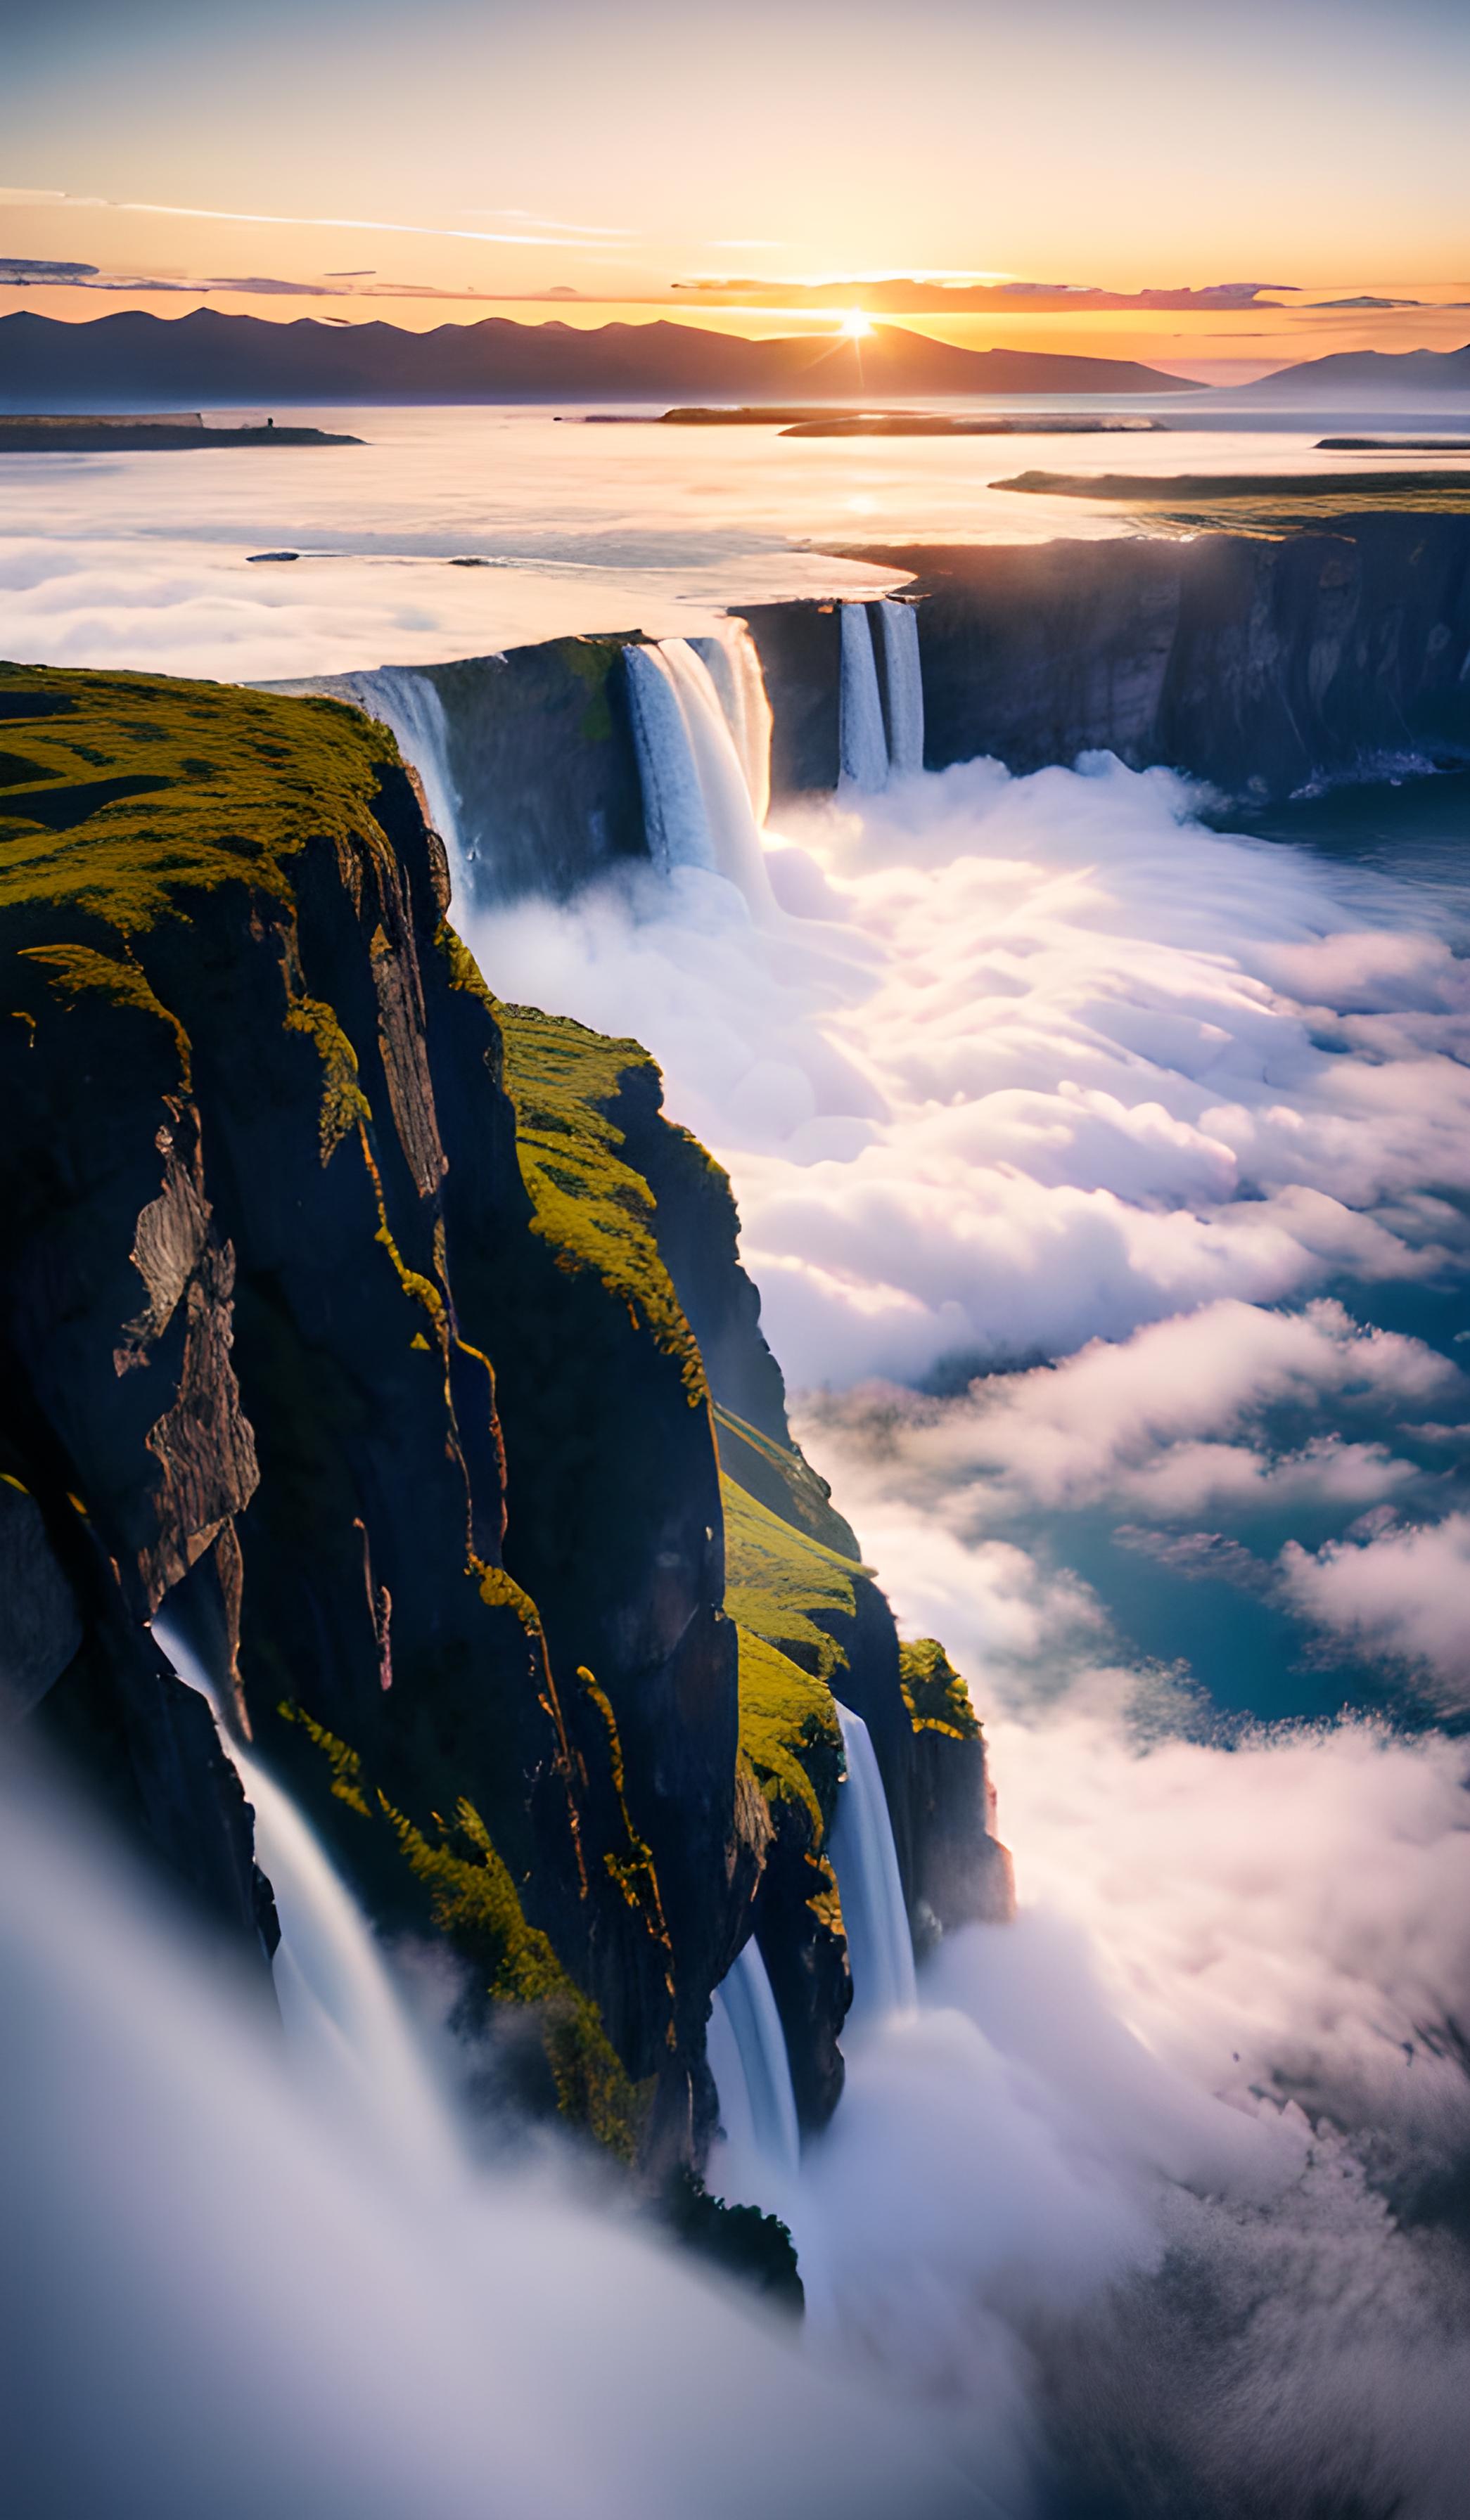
x: 1349, y: 374
x: 136, y: 361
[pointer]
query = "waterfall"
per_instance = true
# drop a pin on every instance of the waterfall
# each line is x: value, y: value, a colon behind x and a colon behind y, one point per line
x: 697, y: 803
x: 341, y: 2008
x: 880, y: 1948
x: 863, y: 744
x: 757, y: 2160
x: 905, y: 686
x: 410, y: 707
x: 735, y: 671
x: 870, y: 751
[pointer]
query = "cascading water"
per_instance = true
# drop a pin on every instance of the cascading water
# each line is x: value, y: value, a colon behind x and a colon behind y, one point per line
x: 342, y: 2012
x: 863, y: 743
x: 698, y: 806
x: 735, y: 671
x: 410, y: 707
x: 905, y: 686
x: 674, y: 817
x: 880, y: 1947
x: 756, y: 2159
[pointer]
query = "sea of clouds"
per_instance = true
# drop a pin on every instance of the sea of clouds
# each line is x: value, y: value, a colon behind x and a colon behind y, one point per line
x: 1076, y: 1146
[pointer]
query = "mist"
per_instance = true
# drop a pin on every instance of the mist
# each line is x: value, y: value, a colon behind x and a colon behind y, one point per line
x: 1154, y: 2195
x: 224, y: 2292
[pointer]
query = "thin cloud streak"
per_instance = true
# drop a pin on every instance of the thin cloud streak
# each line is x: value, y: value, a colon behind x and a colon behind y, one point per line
x: 25, y: 194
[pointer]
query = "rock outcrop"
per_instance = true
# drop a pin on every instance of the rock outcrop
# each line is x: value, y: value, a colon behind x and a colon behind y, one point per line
x: 392, y: 1340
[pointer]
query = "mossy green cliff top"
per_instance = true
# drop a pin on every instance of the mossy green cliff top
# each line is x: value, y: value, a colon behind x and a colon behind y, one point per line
x: 120, y: 793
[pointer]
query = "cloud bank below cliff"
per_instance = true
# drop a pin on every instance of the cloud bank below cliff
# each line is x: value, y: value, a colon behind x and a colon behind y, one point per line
x: 1148, y: 2200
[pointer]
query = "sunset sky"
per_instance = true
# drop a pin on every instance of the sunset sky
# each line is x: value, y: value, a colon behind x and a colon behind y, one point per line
x: 371, y: 161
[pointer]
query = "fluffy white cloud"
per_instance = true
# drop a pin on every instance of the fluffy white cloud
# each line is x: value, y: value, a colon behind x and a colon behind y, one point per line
x: 1402, y: 1591
x: 1037, y: 1073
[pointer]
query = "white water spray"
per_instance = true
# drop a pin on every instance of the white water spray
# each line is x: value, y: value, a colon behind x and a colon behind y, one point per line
x: 342, y: 2012
x: 697, y: 803
x: 863, y: 743
x: 735, y: 670
x: 757, y: 2158
x: 905, y: 686
x: 880, y: 1947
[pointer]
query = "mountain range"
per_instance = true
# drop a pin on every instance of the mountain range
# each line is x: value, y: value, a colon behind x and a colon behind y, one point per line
x: 138, y: 360
x: 1376, y: 374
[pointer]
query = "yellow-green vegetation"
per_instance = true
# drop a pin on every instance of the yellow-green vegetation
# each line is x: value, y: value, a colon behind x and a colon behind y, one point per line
x: 788, y: 1731
x: 779, y: 1584
x: 936, y: 1696
x: 500, y: 1591
x: 475, y: 1904
x: 593, y: 1209
x: 77, y: 967
x: 343, y: 1101
x: 777, y: 1577
x: 464, y: 970
x: 238, y: 781
x: 635, y: 1873
x: 783, y: 1479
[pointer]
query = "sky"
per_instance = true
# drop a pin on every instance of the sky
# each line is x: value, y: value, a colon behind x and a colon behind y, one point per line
x: 285, y: 160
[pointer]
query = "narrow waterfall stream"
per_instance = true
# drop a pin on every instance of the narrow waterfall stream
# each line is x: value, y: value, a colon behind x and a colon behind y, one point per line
x: 342, y: 2013
x: 905, y: 686
x: 880, y: 1947
x: 862, y: 742
x: 757, y: 2158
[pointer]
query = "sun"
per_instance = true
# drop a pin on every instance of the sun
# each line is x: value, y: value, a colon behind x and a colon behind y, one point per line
x: 854, y: 326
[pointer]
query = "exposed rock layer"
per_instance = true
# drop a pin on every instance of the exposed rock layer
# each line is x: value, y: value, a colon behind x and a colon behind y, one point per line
x: 348, y: 1314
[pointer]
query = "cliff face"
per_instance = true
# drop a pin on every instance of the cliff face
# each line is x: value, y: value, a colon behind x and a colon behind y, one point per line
x: 1258, y: 664
x: 360, y: 1319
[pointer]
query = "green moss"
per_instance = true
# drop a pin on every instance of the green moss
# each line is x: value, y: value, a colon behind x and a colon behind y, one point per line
x: 635, y: 1873
x: 246, y: 778
x: 476, y: 1908
x: 500, y: 1592
x: 475, y: 1904
x: 343, y: 1762
x: 593, y: 1209
x: 777, y: 1577
x: 789, y: 1732
x: 78, y: 968
x: 936, y: 1696
x: 343, y: 1101
x: 781, y: 1479
x: 464, y: 970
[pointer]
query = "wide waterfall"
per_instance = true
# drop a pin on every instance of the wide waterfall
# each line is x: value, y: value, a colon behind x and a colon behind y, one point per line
x: 905, y: 686
x: 880, y: 1947
x: 863, y: 743
x: 341, y: 2008
x: 757, y: 2158
x: 702, y: 760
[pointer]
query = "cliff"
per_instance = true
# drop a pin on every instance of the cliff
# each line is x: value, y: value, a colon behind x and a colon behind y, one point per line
x: 394, y: 1340
x: 1257, y: 663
